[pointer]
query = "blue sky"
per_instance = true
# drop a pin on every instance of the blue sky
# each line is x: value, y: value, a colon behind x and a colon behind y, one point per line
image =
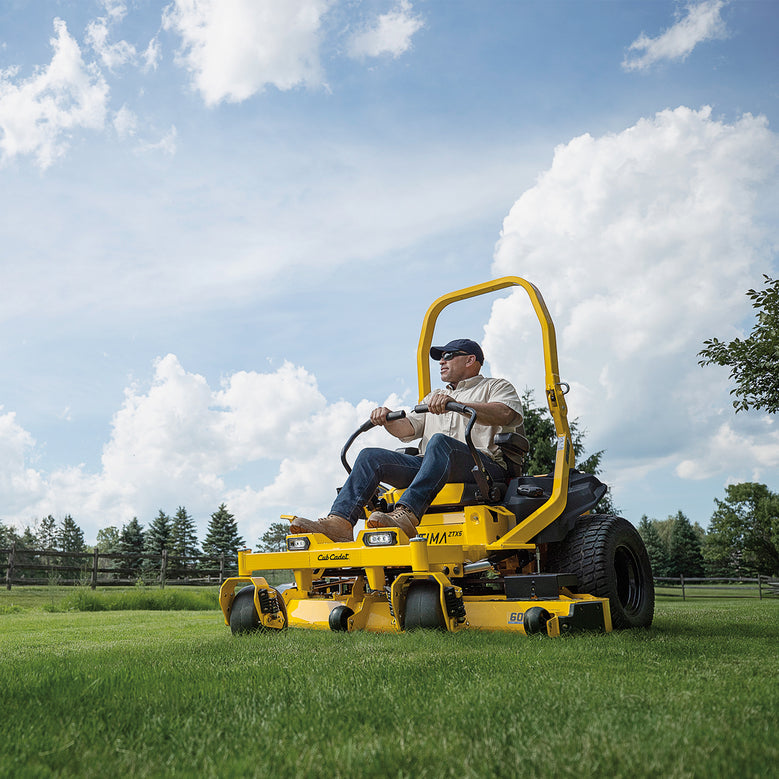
x: 222, y: 224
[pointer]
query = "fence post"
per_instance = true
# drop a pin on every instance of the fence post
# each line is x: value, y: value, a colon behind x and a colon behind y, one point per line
x: 759, y: 587
x: 163, y: 568
x: 10, y: 572
x: 681, y: 578
x: 93, y: 582
x: 221, y: 567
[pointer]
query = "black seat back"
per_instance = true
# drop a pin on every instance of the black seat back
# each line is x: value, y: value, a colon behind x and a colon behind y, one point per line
x: 514, y: 447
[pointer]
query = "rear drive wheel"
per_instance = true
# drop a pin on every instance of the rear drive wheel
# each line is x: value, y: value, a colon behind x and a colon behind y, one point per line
x: 609, y: 558
x: 423, y: 606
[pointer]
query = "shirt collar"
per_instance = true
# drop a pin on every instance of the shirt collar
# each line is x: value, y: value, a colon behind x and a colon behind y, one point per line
x: 467, y: 383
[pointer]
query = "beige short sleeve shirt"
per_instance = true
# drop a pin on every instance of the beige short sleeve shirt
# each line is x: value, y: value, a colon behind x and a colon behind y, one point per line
x: 481, y: 390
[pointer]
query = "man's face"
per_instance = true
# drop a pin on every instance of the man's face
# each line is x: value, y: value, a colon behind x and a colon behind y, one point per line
x: 459, y: 367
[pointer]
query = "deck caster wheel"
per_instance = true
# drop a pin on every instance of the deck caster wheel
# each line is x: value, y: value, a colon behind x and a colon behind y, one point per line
x: 243, y: 615
x: 339, y: 618
x: 535, y: 620
x: 423, y: 606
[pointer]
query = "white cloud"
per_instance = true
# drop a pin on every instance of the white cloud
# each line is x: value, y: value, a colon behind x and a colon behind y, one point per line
x: 391, y: 33
x: 179, y: 441
x: 166, y: 144
x: 235, y: 48
x: 125, y: 122
x: 112, y: 55
x: 643, y: 244
x: 151, y: 55
x: 37, y: 114
x: 703, y: 22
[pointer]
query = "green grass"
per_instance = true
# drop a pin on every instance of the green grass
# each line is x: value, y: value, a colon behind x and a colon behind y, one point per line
x: 61, y: 598
x: 139, y: 693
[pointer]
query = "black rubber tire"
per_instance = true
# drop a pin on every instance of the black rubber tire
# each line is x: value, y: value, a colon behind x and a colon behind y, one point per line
x: 243, y: 615
x: 535, y: 620
x: 423, y: 607
x: 339, y: 618
x: 609, y: 558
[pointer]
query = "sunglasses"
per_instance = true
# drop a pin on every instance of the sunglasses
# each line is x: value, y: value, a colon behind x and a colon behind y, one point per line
x: 449, y: 355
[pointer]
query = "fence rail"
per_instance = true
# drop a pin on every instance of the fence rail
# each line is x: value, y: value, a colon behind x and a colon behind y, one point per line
x: 718, y: 587
x: 52, y: 566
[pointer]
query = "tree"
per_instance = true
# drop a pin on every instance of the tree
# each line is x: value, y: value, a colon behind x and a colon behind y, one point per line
x: 47, y: 533
x: 7, y: 536
x: 655, y: 547
x: 108, y: 539
x: 157, y: 537
x: 183, y: 538
x: 131, y: 542
x: 753, y: 362
x: 541, y: 435
x: 743, y: 536
x: 222, y: 536
x: 684, y: 548
x: 70, y: 536
x: 274, y: 539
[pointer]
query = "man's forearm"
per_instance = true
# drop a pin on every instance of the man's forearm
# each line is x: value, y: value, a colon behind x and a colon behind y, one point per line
x: 494, y: 414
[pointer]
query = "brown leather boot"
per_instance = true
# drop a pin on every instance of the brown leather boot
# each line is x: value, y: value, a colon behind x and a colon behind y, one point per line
x: 401, y: 517
x: 334, y: 527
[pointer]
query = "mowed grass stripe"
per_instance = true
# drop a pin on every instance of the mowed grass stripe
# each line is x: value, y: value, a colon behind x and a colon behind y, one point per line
x: 174, y: 694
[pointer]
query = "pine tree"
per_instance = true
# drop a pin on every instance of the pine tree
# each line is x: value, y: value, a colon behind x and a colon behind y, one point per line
x: 47, y: 533
x: 183, y: 538
x: 656, y: 549
x: 70, y: 536
x: 274, y: 539
x: 541, y: 435
x: 157, y: 537
x: 222, y: 536
x: 131, y: 542
x: 684, y: 548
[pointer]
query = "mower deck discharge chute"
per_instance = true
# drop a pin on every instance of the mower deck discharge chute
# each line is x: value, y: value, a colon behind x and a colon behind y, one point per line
x: 524, y: 556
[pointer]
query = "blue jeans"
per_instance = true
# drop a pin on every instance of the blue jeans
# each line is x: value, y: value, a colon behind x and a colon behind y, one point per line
x: 446, y: 460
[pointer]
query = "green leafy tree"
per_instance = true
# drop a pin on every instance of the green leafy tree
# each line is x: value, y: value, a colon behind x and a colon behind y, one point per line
x: 108, y: 539
x: 274, y: 539
x: 754, y: 361
x: 131, y: 542
x: 70, y: 536
x: 655, y: 546
x: 223, y: 537
x: 684, y: 548
x: 743, y: 537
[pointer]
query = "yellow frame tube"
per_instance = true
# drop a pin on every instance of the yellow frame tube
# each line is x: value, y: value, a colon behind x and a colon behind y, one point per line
x: 555, y: 397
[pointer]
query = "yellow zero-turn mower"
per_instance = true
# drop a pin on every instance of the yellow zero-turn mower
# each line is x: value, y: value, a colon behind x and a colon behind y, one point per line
x: 526, y: 556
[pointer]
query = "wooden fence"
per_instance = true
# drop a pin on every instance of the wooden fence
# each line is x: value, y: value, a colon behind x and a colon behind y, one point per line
x: 717, y: 587
x: 93, y: 568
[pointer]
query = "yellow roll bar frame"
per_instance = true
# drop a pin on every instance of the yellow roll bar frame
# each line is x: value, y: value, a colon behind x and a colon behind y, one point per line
x: 555, y: 397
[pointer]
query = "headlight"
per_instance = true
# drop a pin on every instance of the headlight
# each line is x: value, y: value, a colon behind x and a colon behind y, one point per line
x: 298, y: 543
x: 380, y: 538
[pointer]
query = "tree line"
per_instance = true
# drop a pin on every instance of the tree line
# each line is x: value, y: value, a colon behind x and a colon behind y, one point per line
x: 176, y: 536
x: 742, y: 539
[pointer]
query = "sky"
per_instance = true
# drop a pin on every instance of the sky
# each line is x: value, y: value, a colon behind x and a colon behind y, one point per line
x: 222, y: 222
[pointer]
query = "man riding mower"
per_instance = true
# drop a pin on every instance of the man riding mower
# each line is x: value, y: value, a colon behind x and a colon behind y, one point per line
x: 463, y: 539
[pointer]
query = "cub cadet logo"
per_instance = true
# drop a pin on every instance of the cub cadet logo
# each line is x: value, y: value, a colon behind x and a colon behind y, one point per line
x: 515, y: 618
x: 333, y: 556
x: 442, y: 537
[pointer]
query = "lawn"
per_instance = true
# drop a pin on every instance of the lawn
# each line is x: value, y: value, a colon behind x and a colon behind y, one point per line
x: 172, y: 693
